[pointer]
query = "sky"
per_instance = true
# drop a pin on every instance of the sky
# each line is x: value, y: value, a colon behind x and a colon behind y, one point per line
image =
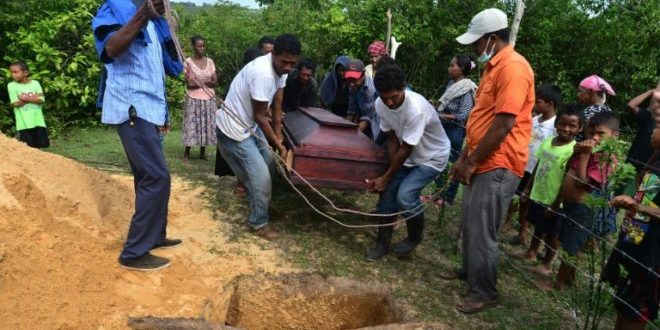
x: 245, y: 3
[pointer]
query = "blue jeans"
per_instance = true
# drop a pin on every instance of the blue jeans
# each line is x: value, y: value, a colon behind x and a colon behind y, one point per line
x: 456, y: 135
x: 252, y: 163
x: 402, y: 194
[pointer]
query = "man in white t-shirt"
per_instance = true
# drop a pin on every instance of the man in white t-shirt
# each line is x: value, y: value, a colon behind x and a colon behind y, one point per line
x: 244, y: 129
x: 418, y: 150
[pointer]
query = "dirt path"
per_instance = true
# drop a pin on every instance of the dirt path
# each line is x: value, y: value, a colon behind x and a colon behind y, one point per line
x: 62, y: 226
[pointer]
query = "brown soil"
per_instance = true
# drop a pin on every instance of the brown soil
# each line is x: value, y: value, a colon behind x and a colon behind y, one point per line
x: 307, y: 301
x: 62, y: 226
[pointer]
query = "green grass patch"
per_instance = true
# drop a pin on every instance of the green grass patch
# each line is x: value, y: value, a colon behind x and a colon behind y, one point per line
x: 314, y: 243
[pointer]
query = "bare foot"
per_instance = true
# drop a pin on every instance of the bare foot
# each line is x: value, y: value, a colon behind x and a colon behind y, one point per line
x: 547, y: 285
x: 559, y: 286
x: 542, y: 270
x: 524, y: 256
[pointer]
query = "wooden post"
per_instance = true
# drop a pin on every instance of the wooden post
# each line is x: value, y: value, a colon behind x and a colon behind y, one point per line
x: 389, y: 29
x: 520, y: 8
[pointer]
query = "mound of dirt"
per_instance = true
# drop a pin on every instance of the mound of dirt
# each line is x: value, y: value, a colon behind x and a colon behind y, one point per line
x: 62, y: 226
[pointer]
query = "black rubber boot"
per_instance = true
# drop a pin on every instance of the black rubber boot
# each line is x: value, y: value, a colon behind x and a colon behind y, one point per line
x: 382, y: 242
x: 415, y: 228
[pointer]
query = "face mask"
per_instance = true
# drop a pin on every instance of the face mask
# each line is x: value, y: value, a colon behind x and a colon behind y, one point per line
x: 483, y: 58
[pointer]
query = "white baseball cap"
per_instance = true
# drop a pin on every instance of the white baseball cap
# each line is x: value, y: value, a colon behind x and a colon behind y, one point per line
x: 487, y: 20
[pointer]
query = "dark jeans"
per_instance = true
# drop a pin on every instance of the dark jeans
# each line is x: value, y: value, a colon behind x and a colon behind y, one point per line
x: 152, y: 186
x: 456, y: 135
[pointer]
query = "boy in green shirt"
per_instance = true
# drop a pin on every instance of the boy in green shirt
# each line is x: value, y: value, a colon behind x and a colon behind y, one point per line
x: 26, y: 97
x: 543, y: 189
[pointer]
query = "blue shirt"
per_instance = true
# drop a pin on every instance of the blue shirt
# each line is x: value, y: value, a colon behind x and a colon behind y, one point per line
x: 137, y: 78
x: 361, y: 104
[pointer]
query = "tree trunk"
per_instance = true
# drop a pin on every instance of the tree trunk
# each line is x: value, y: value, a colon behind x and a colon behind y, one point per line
x: 520, y: 8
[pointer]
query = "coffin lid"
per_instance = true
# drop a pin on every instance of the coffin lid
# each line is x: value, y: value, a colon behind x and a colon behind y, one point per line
x: 327, y: 118
x: 315, y: 131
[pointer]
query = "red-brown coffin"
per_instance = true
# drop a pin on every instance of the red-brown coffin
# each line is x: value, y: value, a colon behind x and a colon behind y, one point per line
x: 329, y: 151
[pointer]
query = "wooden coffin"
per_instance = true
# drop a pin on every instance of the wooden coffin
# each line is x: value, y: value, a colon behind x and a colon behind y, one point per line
x: 329, y: 151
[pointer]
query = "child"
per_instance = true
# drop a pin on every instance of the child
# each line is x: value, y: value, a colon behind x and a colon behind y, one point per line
x: 639, y: 239
x: 587, y: 174
x: 548, y: 99
x: 592, y: 93
x: 26, y: 97
x: 543, y: 189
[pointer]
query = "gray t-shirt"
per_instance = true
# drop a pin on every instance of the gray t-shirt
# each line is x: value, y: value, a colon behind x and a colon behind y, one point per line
x: 416, y: 123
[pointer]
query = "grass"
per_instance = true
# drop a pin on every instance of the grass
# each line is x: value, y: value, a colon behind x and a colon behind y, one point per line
x: 313, y: 243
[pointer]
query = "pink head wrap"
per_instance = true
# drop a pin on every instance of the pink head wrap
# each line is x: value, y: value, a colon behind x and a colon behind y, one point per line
x: 377, y: 48
x: 597, y: 84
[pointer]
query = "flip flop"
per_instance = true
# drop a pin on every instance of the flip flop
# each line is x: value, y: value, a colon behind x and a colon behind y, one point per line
x: 240, y: 191
x: 425, y: 198
x: 473, y: 306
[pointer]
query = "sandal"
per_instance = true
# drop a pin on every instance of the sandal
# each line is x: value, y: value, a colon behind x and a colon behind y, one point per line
x: 470, y: 306
x: 425, y: 198
x: 440, y: 203
x: 436, y: 202
x: 453, y: 275
x: 240, y: 191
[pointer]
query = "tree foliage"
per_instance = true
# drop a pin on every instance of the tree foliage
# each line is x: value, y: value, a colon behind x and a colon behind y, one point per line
x: 564, y: 40
x: 58, y: 47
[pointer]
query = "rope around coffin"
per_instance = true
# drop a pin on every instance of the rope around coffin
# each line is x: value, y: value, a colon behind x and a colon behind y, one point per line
x: 173, y: 22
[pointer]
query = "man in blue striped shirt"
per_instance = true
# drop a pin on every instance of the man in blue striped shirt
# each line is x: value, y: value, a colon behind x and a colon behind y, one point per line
x: 135, y: 46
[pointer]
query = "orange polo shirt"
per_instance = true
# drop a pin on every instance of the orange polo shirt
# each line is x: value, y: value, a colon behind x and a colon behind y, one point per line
x: 507, y: 86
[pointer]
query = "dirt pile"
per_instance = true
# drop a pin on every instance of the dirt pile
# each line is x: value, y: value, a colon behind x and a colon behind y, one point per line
x: 62, y: 226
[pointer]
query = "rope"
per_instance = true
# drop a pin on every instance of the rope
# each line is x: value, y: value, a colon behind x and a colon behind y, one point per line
x: 223, y: 106
x: 583, y: 273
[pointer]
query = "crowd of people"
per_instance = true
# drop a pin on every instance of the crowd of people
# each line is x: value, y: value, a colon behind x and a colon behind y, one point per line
x: 504, y: 137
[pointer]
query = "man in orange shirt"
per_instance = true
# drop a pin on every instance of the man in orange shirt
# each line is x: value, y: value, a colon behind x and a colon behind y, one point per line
x: 490, y: 168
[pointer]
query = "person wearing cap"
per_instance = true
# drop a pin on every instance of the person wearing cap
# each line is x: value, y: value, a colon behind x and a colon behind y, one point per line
x: 490, y: 167
x: 418, y: 150
x: 334, y: 89
x: 361, y: 99
x: 376, y: 51
x: 592, y: 93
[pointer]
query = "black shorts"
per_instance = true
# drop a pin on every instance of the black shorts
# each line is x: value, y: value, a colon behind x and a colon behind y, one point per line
x: 35, y: 137
x: 543, y: 225
x: 576, y: 227
x: 523, y: 183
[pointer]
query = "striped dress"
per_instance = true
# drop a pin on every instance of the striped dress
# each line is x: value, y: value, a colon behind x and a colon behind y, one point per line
x: 200, y: 107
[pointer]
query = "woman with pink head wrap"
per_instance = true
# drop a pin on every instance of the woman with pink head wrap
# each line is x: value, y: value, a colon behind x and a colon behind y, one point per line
x: 376, y: 50
x: 591, y: 92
